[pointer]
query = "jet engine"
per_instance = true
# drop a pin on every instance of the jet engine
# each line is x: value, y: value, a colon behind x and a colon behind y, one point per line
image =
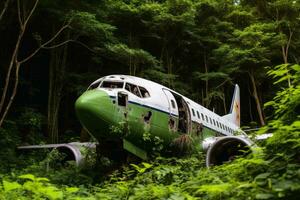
x: 74, y: 151
x: 225, y: 149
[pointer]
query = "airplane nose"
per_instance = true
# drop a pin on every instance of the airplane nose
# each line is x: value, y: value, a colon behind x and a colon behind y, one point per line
x: 94, y: 110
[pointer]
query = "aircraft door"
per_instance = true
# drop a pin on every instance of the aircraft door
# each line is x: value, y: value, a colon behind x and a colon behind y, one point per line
x: 122, y: 99
x: 122, y: 106
x: 184, y: 116
x: 173, y: 110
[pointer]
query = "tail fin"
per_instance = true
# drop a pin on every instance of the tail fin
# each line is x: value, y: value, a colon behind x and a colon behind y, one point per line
x: 234, y: 114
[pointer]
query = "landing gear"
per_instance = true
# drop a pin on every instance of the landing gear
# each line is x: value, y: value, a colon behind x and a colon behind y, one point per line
x: 111, y: 155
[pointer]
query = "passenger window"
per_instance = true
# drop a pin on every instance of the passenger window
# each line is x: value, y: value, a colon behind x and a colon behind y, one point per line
x: 210, y: 120
x: 173, y: 103
x: 214, y: 122
x: 206, y: 118
x: 112, y: 84
x: 133, y: 89
x: 145, y: 93
x: 198, y: 115
x: 193, y: 112
x: 202, y: 116
x: 217, y: 124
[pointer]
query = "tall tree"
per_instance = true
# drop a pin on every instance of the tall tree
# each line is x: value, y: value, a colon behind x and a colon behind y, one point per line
x: 15, y: 62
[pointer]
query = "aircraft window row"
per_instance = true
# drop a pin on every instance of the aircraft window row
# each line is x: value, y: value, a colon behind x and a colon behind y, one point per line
x: 212, y: 121
x: 112, y: 84
x: 193, y: 112
x: 137, y: 90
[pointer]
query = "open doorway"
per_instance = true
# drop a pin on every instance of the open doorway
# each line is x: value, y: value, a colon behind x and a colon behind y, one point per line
x: 184, y: 118
x: 122, y: 99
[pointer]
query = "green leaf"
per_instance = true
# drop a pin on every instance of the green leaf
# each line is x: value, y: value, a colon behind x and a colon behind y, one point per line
x: 42, y: 179
x: 147, y: 165
x: 27, y: 176
x: 264, y: 196
x: 263, y: 176
x: 11, y: 185
x: 72, y: 189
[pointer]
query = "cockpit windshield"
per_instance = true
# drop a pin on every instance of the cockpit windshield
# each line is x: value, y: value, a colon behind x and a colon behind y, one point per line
x: 112, y: 84
x: 94, y: 85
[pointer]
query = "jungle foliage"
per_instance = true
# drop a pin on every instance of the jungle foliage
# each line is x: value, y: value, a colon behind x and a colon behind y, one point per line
x: 52, y: 50
x: 270, y: 172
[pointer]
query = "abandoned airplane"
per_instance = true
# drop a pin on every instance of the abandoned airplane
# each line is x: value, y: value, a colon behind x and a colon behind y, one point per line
x: 141, y: 116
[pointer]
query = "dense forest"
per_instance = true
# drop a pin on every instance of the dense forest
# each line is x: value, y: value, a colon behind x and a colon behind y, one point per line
x: 52, y: 50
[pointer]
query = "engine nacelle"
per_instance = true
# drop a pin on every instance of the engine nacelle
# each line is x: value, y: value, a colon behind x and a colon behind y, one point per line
x: 224, y: 149
x: 74, y: 151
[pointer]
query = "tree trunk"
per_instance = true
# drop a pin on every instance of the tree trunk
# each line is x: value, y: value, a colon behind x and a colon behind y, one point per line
x: 13, y: 95
x: 15, y: 63
x: 257, y: 101
x: 250, y: 110
x: 206, y: 82
x: 56, y: 78
x: 202, y: 96
x: 170, y: 69
x: 84, y: 135
x: 285, y: 52
x: 224, y: 102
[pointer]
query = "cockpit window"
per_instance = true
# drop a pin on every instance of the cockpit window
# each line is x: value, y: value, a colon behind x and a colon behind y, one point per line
x: 112, y: 84
x: 94, y: 86
x: 133, y: 89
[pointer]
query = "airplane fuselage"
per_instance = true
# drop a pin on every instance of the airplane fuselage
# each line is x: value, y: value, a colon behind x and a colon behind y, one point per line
x: 146, y: 115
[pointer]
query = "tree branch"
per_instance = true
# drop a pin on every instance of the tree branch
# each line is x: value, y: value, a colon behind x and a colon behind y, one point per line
x: 57, y: 45
x: 19, y: 14
x: 45, y: 44
x: 31, y: 12
x: 222, y: 83
x: 68, y: 41
x: 289, y: 42
x: 4, y: 9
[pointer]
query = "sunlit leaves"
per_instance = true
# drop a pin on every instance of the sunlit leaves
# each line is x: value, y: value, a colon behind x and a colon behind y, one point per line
x: 33, y: 187
x: 10, y: 185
